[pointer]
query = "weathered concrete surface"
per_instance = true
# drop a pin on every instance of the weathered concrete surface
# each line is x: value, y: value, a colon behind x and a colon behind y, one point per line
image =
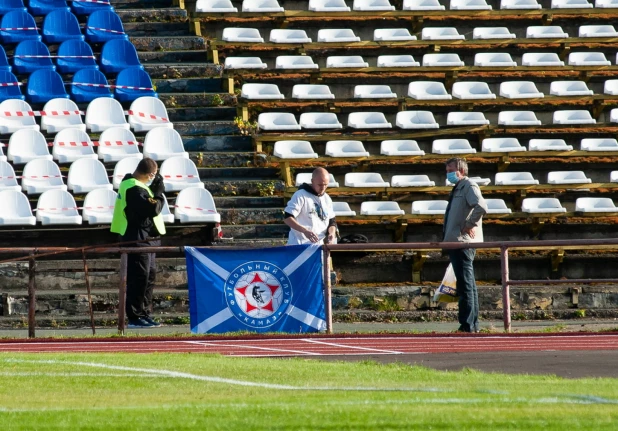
x: 152, y: 15
x: 201, y: 128
x: 189, y: 85
x: 182, y: 70
x: 218, y: 143
x: 177, y: 100
x: 219, y: 113
x: 168, y: 43
x: 240, y: 187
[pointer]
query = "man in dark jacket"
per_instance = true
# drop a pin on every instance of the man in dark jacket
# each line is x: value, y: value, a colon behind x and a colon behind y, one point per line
x: 137, y: 218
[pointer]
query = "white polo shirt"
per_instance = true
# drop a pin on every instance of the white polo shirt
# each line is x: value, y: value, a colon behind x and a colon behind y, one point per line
x: 306, y: 208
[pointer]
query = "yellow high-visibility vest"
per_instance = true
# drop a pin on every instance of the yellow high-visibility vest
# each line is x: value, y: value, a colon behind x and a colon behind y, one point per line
x: 119, y: 220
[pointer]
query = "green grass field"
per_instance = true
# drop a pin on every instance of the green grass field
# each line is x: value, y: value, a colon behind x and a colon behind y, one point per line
x: 196, y: 391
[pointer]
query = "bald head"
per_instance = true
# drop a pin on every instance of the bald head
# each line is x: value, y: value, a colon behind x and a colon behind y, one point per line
x: 319, y: 180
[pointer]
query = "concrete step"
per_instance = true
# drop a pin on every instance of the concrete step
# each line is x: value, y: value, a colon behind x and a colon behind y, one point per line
x: 231, y: 186
x: 177, y: 100
x: 251, y: 215
x: 184, y: 70
x: 189, y: 85
x: 170, y: 14
x: 200, y: 128
x: 218, y: 113
x: 157, y: 29
x: 249, y: 202
x: 224, y: 160
x: 258, y: 233
x: 244, y: 172
x: 141, y: 4
x: 221, y: 142
x: 187, y: 56
x: 168, y: 43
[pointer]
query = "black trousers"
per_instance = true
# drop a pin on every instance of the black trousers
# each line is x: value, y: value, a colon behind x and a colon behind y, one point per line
x: 141, y: 275
x: 462, y: 261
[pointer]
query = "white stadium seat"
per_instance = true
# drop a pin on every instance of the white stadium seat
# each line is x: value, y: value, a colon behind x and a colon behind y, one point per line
x: 277, y: 121
x: 238, y: 34
x: 573, y: 116
x: 492, y: 33
x: 466, y: 119
x: 8, y: 179
x: 215, y: 6
x: 476, y: 180
x: 162, y: 144
x: 56, y: 118
x: 294, y: 150
x: 519, y: 90
x: 72, y: 144
x: 422, y: 5
x: 606, y: 4
x: 15, y: 209
x: 452, y: 146
x: 518, y: 118
x: 372, y: 5
x: 355, y: 61
x: 57, y: 207
x: 501, y: 145
x: 441, y: 33
x: 147, y: 113
x: 40, y: 175
x: 288, y: 36
x: 515, y: 179
x: 26, y: 145
x: 469, y: 5
x: 411, y: 181
x: 165, y: 213
x: 542, y: 205
x: 337, y: 35
x: 295, y: 62
x: 570, y: 88
x: 99, y: 206
x: 244, y: 63
x: 442, y: 60
x: 261, y: 92
x: 319, y: 120
x: 342, y: 209
x: 328, y: 6
x: 400, y: 147
x: 86, y: 175
x: 613, y: 115
x: 597, y: 31
x: 3, y: 158
x: 365, y: 179
x: 397, y: 61
x: 548, y: 145
x: 368, y: 120
x: 104, y: 113
x: 599, y: 144
x: 305, y: 178
x: 541, y: 59
x: 546, y: 32
x: 345, y: 149
x: 196, y: 205
x: 494, y: 59
x: 519, y: 4
x: 611, y: 87
x: 428, y: 90
x: 472, y: 90
x: 117, y: 143
x: 15, y: 121
x: 312, y: 91
x: 568, y: 177
x: 437, y: 207
x: 261, y: 6
x: 123, y: 167
x: 381, y: 208
x: 595, y: 205
x: 179, y: 173
x: 570, y: 4
x: 392, y: 34
x: 613, y: 177
x: 588, y: 59
x: 416, y: 120
x: 373, y: 92
x: 497, y: 206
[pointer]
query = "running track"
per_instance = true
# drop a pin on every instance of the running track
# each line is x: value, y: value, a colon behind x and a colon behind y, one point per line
x: 328, y: 345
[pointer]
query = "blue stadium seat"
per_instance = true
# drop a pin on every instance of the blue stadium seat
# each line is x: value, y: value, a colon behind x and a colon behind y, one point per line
x: 87, y: 8
x: 23, y: 64
x: 61, y: 25
x: 75, y: 48
x: 106, y: 20
x: 133, y: 77
x: 18, y: 19
x: 44, y: 85
x: 7, y: 6
x: 83, y: 93
x: 4, y: 62
x: 43, y: 7
x: 117, y: 55
x: 6, y: 92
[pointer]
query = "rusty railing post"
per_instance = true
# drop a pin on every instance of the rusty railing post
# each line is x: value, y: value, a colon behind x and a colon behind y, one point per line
x: 122, y: 292
x: 506, y: 297
x: 89, y: 292
x: 328, y: 306
x: 31, y: 296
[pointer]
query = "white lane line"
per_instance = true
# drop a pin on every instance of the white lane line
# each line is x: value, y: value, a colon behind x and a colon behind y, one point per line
x: 44, y: 374
x: 392, y: 352
x: 242, y: 346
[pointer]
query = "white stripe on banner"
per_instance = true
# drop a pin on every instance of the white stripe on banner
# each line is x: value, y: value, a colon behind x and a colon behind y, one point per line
x: 214, y: 320
x: 208, y: 263
x: 296, y: 263
x: 306, y: 318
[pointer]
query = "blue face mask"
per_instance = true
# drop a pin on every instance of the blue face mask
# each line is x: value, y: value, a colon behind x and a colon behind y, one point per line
x: 452, y: 177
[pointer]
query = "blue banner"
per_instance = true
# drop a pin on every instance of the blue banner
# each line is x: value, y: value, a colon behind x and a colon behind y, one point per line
x: 277, y: 289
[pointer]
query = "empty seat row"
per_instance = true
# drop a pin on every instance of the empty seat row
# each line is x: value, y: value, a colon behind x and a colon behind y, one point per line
x: 145, y: 113
x: 43, y: 7
x: 270, y: 6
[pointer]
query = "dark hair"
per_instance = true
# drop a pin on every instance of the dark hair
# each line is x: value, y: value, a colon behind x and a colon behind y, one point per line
x: 460, y: 164
x: 146, y: 166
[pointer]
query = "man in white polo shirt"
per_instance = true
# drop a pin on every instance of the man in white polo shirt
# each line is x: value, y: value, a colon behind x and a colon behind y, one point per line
x: 309, y: 213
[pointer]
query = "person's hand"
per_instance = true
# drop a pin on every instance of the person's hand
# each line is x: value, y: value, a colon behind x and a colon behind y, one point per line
x: 156, y: 186
x: 469, y: 231
x: 311, y: 236
x: 330, y: 238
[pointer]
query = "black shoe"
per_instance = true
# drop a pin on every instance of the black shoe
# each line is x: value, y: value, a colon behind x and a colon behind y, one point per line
x: 153, y: 323
x: 139, y: 323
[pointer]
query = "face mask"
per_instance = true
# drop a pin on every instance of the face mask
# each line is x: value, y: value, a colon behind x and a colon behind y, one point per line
x: 452, y: 177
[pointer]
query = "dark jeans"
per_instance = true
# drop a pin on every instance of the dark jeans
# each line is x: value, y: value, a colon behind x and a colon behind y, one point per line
x: 141, y: 275
x: 462, y: 261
